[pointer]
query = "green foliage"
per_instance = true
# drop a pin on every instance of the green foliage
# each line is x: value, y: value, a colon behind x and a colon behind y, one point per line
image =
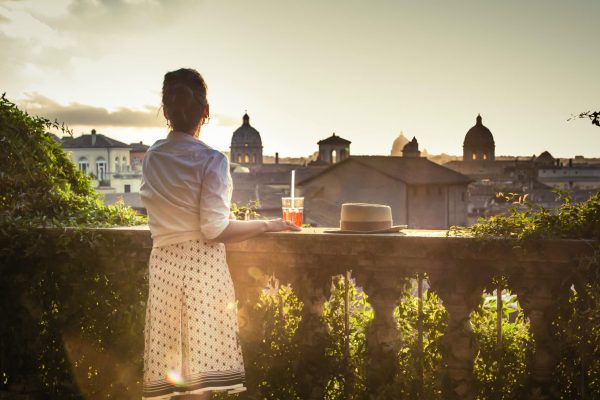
x: 576, y: 326
x: 245, y: 211
x: 500, y: 370
x: 40, y: 185
x: 530, y: 221
x: 274, y: 353
x: 346, y: 346
x: 578, y: 329
x: 420, y: 364
x: 60, y: 310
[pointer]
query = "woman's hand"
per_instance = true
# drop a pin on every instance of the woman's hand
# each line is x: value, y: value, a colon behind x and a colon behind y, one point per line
x: 237, y: 231
x: 278, y: 225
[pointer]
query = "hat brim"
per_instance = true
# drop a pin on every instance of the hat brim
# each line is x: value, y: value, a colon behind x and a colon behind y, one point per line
x: 393, y: 229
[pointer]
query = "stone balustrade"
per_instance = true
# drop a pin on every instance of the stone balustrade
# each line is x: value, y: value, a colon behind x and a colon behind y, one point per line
x: 459, y: 269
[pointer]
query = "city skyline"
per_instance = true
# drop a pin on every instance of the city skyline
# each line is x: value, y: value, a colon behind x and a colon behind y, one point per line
x: 304, y: 71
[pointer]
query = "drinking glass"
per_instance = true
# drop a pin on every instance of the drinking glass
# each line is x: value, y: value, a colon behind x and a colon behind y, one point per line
x: 293, y: 212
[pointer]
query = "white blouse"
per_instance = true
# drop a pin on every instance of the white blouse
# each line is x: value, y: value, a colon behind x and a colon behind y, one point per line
x: 186, y: 189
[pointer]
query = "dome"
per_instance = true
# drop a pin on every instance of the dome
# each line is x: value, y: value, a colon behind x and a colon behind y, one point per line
x: 399, y: 144
x: 246, y: 135
x: 479, y: 136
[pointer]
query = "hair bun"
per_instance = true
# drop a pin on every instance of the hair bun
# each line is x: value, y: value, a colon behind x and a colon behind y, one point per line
x: 179, y: 96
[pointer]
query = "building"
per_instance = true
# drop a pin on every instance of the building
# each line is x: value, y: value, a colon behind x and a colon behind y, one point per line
x: 332, y: 150
x: 136, y: 155
x: 421, y: 194
x: 99, y: 156
x: 115, y: 167
x: 534, y: 176
x: 574, y: 176
x: 246, y: 144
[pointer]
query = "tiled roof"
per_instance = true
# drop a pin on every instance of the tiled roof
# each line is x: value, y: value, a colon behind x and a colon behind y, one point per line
x: 85, y: 142
x: 139, y: 147
x: 333, y: 139
x: 410, y: 170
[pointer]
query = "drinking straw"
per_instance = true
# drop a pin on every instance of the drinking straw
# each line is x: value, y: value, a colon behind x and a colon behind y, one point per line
x: 293, y: 187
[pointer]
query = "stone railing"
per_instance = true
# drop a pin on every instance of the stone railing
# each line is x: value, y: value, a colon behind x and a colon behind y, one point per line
x: 458, y: 269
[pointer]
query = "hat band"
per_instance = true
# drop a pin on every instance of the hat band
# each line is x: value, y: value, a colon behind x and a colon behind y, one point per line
x: 365, y: 226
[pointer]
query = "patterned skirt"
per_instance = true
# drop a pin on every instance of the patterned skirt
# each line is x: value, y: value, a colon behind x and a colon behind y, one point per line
x: 191, y: 335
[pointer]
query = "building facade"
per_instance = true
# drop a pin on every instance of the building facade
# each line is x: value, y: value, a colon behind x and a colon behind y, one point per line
x: 109, y: 163
x: 421, y: 194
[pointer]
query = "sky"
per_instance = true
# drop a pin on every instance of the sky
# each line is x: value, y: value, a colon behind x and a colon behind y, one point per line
x: 366, y: 70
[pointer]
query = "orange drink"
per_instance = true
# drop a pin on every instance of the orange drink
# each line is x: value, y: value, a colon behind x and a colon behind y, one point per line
x: 293, y: 212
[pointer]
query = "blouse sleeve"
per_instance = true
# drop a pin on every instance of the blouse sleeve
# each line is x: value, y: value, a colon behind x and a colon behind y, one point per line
x: 215, y: 197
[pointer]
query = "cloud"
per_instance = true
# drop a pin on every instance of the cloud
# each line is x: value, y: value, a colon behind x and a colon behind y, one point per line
x: 75, y: 114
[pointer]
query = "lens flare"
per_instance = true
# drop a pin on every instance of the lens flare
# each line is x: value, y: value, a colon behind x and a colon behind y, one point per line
x: 174, y: 377
x: 255, y: 273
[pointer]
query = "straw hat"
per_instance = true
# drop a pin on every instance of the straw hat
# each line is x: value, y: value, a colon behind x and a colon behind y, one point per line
x: 366, y: 218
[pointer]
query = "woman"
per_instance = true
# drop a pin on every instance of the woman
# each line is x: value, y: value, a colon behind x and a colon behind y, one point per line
x: 191, y: 334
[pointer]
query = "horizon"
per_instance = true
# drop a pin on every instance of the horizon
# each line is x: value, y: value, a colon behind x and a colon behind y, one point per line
x: 303, y: 71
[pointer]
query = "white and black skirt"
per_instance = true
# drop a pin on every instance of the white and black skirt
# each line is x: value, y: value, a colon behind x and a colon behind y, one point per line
x: 191, y: 335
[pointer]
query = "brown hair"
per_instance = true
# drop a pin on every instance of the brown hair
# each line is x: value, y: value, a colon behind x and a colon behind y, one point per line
x: 184, y: 99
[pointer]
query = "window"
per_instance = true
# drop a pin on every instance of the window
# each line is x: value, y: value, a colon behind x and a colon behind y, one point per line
x: 473, y: 156
x: 253, y: 159
x: 83, y: 165
x: 485, y: 156
x: 127, y: 189
x: 239, y: 158
x: 246, y: 158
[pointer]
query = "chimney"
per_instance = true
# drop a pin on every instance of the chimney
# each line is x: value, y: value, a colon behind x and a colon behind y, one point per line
x: 570, y: 163
x: 93, y: 137
x: 276, y: 158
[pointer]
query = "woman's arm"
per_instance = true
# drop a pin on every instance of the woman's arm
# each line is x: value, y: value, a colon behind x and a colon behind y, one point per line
x: 238, y: 231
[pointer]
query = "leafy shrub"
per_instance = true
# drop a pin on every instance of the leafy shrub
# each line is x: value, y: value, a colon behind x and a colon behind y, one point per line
x: 501, y: 370
x: 273, y: 354
x: 56, y: 297
x: 576, y: 327
x: 346, y: 346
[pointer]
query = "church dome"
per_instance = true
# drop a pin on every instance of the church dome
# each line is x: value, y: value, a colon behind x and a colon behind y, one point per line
x: 246, y: 135
x: 479, y: 136
x: 399, y: 144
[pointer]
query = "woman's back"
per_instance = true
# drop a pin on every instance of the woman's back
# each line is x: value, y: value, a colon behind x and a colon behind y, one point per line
x: 186, y: 190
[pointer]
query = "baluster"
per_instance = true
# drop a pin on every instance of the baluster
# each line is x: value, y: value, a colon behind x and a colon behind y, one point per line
x: 383, y: 338
x: 540, y: 294
x: 460, y: 292
x: 313, y: 288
